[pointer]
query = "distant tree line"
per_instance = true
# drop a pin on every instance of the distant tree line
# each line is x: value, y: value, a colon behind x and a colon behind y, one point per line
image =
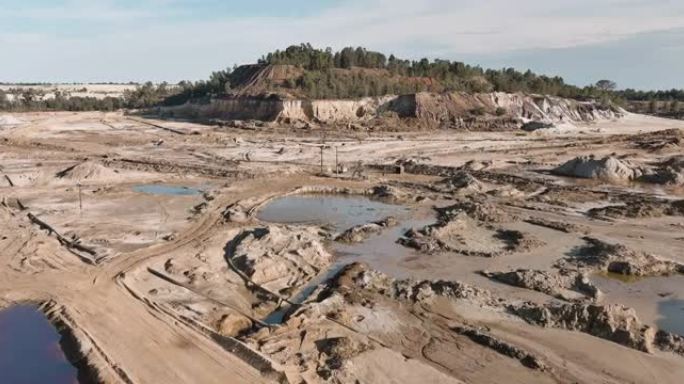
x: 347, y: 73
x: 669, y: 95
x: 29, y: 100
x: 26, y: 99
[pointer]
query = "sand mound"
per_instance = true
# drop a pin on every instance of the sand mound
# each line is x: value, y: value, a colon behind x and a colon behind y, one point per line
x: 617, y: 258
x: 279, y: 258
x: 669, y: 172
x: 672, y: 171
x: 564, y: 284
x: 476, y: 208
x: 462, y: 182
x: 676, y: 162
x: 9, y: 120
x: 611, y: 322
x: 608, y: 168
x: 88, y: 170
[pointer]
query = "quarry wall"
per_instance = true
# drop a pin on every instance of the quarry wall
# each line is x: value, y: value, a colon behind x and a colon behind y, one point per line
x: 428, y: 107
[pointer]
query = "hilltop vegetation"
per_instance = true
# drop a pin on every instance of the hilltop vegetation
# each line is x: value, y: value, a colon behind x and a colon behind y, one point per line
x: 303, y: 71
x: 332, y: 74
x: 308, y: 72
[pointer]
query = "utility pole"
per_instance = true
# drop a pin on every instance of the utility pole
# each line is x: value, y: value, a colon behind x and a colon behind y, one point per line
x: 321, y: 159
x: 337, y: 167
x: 80, y: 199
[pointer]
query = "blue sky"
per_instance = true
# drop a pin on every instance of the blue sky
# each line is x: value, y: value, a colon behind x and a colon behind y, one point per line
x: 637, y: 43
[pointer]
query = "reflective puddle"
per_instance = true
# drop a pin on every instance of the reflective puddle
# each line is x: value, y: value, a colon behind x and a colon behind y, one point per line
x: 340, y: 212
x: 29, y: 349
x: 169, y: 190
x: 659, y: 301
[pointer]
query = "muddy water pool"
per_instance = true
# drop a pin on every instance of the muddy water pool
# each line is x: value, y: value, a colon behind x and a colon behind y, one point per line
x: 658, y: 301
x: 380, y: 251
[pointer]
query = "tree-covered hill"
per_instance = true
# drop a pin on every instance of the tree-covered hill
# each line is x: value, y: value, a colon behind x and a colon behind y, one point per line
x: 303, y: 71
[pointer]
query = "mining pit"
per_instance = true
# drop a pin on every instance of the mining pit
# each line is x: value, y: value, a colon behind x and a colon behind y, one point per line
x: 167, y: 251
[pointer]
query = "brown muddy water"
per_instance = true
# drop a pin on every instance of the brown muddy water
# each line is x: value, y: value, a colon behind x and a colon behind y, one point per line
x: 338, y: 211
x: 380, y: 251
x: 658, y: 301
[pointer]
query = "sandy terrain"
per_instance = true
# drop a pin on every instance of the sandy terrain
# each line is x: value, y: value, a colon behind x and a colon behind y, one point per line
x: 142, y: 241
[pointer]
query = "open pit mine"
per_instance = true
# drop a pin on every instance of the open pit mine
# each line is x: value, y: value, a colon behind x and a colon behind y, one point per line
x: 258, y: 238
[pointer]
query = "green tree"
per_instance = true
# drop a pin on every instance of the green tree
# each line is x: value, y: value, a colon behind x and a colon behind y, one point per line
x: 606, y: 85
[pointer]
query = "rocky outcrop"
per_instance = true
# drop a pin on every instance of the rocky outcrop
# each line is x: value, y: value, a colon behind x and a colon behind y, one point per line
x: 616, y: 258
x: 460, y: 234
x: 477, y: 209
x: 231, y: 108
x: 388, y: 193
x: 611, y: 322
x: 608, y: 168
x: 236, y: 213
x: 485, y: 111
x: 232, y: 325
x: 332, y: 111
x: 466, y: 227
x: 670, y: 342
x: 335, y: 352
x: 560, y: 284
x: 362, y: 232
x: 639, y: 208
x: 669, y: 172
x: 462, y: 183
x: 665, y: 140
x: 360, y: 276
x: 280, y: 259
x: 459, y: 107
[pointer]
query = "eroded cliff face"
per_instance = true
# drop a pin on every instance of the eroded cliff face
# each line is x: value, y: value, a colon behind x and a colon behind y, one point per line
x: 526, y: 108
x: 456, y: 110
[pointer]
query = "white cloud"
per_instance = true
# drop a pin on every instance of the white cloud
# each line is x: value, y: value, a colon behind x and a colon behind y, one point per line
x: 165, y: 47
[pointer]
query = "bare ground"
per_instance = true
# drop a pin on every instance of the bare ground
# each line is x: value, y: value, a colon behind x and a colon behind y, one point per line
x: 175, y: 289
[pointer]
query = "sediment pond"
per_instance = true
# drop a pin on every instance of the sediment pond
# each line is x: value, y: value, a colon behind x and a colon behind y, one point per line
x: 340, y: 213
x: 161, y: 189
x: 29, y: 349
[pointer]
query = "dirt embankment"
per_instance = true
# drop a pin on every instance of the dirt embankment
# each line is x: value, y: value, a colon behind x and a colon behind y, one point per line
x: 485, y: 111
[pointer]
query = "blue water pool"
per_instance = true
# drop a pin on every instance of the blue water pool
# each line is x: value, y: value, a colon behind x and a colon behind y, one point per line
x: 29, y: 349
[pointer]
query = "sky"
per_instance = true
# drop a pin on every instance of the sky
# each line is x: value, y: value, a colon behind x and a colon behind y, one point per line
x: 637, y: 43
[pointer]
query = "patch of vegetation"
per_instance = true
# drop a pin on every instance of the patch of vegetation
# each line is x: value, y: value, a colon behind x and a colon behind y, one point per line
x: 352, y: 73
x: 394, y: 75
x: 29, y: 99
